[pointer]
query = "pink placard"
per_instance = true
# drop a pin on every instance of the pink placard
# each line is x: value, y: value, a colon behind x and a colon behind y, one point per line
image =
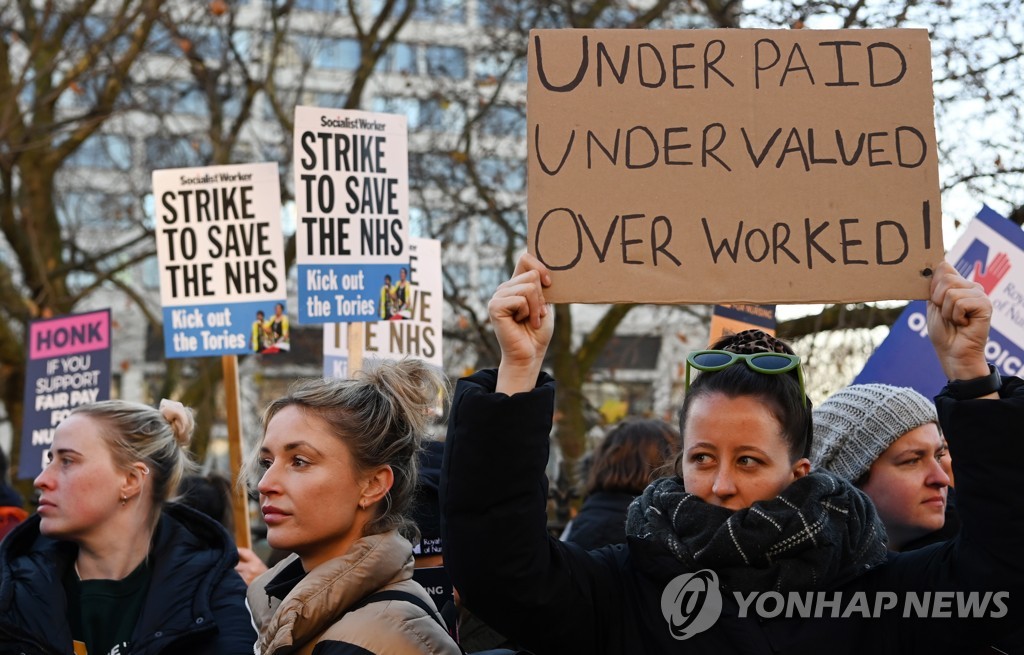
x: 69, y: 335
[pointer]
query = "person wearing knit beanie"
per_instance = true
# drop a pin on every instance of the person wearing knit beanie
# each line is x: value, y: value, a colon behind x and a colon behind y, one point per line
x: 886, y: 441
x: 854, y: 426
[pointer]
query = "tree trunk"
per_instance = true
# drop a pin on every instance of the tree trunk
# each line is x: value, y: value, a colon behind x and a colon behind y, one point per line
x: 570, y: 422
x: 47, y: 288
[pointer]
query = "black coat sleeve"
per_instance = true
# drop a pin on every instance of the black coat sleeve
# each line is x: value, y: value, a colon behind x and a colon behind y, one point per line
x: 984, y: 559
x: 544, y: 595
x: 986, y: 438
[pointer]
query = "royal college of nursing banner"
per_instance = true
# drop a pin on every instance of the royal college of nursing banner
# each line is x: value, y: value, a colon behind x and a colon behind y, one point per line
x: 732, y: 319
x: 990, y: 252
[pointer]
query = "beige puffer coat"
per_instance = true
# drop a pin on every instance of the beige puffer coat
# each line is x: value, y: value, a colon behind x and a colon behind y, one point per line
x: 315, y: 611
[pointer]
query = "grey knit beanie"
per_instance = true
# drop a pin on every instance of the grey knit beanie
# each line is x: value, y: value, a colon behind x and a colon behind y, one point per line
x: 855, y: 426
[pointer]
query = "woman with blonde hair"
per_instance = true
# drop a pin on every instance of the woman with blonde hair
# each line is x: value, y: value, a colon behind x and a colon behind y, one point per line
x: 338, y: 462
x: 108, y: 564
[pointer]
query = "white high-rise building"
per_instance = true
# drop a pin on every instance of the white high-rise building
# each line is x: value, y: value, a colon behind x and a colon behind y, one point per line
x: 441, y: 70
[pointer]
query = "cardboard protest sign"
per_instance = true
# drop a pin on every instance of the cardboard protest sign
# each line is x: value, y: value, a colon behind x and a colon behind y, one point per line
x: 352, y: 203
x: 68, y: 366
x: 221, y: 254
x: 740, y: 166
x: 414, y: 329
x: 990, y: 252
x: 731, y: 319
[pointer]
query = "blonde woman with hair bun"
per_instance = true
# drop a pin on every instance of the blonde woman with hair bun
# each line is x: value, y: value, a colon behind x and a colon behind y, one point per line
x: 337, y: 474
x: 109, y: 565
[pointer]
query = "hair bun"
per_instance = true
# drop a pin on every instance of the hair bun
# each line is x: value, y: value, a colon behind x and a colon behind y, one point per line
x: 750, y: 342
x: 180, y: 419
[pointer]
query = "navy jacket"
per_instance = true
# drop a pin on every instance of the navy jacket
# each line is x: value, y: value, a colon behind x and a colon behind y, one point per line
x: 601, y: 520
x: 554, y: 597
x: 195, y: 603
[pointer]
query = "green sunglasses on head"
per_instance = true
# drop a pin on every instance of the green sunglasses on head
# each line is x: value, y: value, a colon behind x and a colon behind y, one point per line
x: 767, y: 363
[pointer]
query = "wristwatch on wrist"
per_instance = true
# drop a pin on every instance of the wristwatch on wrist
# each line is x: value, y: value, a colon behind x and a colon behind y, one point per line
x: 975, y: 387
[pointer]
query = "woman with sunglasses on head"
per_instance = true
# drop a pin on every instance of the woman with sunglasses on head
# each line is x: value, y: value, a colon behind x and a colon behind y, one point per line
x: 108, y: 565
x: 742, y: 517
x: 338, y: 474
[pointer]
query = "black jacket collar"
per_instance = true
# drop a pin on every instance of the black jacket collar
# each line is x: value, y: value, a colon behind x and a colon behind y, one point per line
x: 189, y: 553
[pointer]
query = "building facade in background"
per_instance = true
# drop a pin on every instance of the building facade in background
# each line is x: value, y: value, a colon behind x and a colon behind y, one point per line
x: 456, y: 71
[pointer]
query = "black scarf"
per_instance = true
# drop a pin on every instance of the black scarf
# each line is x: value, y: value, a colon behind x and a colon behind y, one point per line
x: 819, y: 533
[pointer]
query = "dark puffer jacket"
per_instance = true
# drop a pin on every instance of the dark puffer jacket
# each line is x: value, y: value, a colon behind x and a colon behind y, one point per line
x: 195, y: 603
x: 601, y: 521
